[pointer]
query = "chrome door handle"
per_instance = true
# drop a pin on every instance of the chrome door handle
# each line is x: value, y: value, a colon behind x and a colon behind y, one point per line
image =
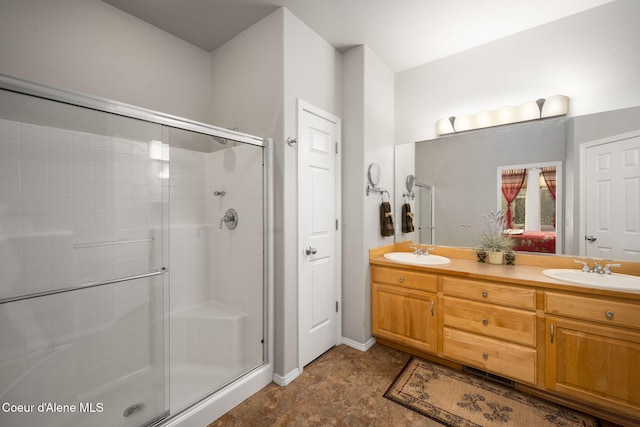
x: 310, y: 251
x: 590, y: 238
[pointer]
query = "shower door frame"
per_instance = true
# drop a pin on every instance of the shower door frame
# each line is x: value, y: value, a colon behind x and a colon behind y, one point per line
x: 431, y: 227
x: 264, y: 370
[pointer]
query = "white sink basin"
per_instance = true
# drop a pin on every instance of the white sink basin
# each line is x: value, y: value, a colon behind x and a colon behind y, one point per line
x: 411, y: 258
x: 614, y: 282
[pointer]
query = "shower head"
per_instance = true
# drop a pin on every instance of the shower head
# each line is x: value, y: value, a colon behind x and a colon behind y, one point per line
x: 222, y: 140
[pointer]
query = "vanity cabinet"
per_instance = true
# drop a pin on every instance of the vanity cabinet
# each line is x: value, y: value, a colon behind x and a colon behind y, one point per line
x: 490, y: 326
x: 593, y: 350
x: 576, y: 346
x: 403, y: 307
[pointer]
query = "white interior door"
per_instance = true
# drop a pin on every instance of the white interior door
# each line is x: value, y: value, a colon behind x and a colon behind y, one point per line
x: 319, y: 266
x: 612, y: 194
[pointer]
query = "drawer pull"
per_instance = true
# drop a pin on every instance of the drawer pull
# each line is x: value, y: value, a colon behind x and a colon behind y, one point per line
x: 485, y: 356
x: 609, y: 314
x: 401, y: 280
x: 485, y: 294
x: 485, y: 322
x: 432, y: 306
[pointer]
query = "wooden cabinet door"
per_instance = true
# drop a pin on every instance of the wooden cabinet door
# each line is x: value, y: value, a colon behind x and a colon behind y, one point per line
x: 595, y: 363
x: 404, y: 316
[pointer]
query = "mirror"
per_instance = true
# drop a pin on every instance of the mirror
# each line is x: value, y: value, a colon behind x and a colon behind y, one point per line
x: 410, y: 182
x: 463, y: 167
x: 373, y: 174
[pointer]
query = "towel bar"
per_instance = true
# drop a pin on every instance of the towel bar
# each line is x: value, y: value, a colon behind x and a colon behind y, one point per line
x: 381, y: 191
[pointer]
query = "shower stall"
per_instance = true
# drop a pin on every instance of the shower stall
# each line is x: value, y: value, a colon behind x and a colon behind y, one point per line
x: 135, y: 263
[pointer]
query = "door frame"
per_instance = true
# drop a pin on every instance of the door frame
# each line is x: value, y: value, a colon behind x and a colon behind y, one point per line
x: 303, y: 106
x: 582, y: 210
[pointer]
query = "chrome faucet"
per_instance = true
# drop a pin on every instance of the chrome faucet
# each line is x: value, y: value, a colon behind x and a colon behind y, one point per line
x: 420, y: 250
x: 585, y: 266
x: 417, y: 249
x: 597, y: 268
x: 607, y: 268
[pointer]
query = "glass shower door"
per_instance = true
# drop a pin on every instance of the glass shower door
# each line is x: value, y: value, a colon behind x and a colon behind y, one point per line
x: 82, y: 293
x: 217, y: 265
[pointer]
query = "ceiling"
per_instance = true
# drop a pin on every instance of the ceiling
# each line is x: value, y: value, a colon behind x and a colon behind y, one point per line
x: 402, y: 33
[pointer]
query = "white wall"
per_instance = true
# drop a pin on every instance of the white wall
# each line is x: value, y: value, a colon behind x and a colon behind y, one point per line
x: 312, y: 73
x: 91, y: 47
x: 257, y: 78
x: 247, y: 79
x: 353, y: 186
x: 592, y: 57
x: 368, y: 134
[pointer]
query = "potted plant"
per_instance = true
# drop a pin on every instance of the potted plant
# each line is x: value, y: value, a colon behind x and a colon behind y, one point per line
x: 493, y: 239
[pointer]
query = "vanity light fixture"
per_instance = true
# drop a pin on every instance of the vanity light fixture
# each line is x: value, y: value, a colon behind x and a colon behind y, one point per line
x: 553, y: 106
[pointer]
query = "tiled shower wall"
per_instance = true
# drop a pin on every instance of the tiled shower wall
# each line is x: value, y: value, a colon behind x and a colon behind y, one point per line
x: 237, y: 255
x: 59, y: 191
x: 213, y: 263
x: 62, y: 189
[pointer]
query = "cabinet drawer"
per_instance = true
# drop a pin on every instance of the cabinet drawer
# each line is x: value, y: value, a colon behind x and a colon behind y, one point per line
x: 409, y: 279
x: 595, y: 309
x: 510, y: 360
x: 505, y: 323
x: 490, y: 293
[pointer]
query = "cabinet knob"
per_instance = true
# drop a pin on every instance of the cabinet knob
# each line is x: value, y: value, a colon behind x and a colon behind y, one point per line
x: 485, y: 356
x: 485, y: 294
x: 401, y: 279
x: 609, y: 314
x: 485, y: 322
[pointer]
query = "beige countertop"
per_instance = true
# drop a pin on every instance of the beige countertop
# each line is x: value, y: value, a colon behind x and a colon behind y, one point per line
x: 527, y: 271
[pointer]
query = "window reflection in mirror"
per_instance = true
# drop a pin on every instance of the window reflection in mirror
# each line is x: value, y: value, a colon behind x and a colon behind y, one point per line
x: 529, y: 195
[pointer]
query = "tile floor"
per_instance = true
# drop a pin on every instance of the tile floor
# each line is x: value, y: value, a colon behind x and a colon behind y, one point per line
x: 343, y: 387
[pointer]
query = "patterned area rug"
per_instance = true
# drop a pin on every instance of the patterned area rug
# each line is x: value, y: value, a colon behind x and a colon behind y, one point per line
x: 454, y: 398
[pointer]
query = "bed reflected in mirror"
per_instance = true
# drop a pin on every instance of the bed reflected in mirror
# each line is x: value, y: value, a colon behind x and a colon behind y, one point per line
x: 529, y: 195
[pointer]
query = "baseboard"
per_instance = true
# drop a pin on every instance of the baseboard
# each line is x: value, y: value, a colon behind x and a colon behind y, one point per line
x: 358, y: 345
x: 286, y: 380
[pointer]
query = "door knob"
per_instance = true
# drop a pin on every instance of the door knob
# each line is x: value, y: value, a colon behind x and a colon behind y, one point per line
x: 590, y: 238
x: 310, y: 251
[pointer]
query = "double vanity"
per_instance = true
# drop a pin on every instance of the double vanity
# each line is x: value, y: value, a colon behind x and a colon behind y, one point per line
x: 542, y: 325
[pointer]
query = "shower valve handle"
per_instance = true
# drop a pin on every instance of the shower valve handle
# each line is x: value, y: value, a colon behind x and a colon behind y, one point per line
x: 230, y: 218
